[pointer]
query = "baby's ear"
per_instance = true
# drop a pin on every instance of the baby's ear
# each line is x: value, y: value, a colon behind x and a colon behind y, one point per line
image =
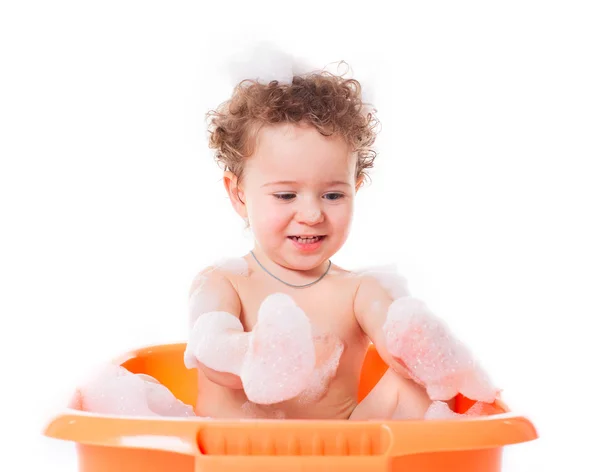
x: 235, y: 193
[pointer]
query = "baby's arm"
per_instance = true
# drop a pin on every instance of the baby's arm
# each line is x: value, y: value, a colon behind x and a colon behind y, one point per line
x: 214, y: 299
x: 398, y: 395
x: 416, y: 343
x: 272, y: 363
x: 371, y: 304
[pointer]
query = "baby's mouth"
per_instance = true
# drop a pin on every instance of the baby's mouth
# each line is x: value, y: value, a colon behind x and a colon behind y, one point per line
x: 307, y: 240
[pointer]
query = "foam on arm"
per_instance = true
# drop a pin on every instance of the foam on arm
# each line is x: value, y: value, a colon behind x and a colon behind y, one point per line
x: 217, y: 342
x: 433, y: 354
x: 371, y: 305
x: 412, y: 340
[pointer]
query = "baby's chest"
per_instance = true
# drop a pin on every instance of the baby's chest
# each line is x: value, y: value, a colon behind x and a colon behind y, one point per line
x: 330, y: 309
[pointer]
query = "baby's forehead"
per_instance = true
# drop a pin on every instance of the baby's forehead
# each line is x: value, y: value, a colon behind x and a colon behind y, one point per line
x: 297, y: 139
x: 301, y: 156
x: 268, y: 183
x: 310, y: 171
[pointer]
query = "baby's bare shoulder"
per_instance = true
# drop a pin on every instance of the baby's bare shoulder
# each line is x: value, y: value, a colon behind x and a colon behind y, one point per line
x: 224, y: 271
x: 377, y: 280
x: 358, y: 286
x: 362, y: 279
x: 344, y: 277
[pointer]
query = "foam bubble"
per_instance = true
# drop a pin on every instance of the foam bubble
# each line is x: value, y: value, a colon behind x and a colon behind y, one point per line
x: 202, y: 300
x: 395, y: 284
x: 431, y: 353
x: 199, y: 281
x: 234, y: 265
x: 281, y: 353
x: 114, y: 390
x: 328, y: 350
x: 217, y: 340
x: 162, y: 402
x: 440, y: 411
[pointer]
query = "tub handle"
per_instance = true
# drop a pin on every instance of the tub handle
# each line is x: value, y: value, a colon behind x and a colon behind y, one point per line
x: 175, y: 435
x: 306, y: 443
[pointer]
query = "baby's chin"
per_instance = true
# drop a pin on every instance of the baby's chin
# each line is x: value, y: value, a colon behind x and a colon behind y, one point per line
x: 295, y: 259
x: 306, y: 266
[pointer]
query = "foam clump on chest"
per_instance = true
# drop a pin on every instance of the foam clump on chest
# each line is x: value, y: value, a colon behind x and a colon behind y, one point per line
x: 281, y: 353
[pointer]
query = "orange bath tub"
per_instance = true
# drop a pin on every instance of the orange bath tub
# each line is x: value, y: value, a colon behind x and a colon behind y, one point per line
x: 120, y: 444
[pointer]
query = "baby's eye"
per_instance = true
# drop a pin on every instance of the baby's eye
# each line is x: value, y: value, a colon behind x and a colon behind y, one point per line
x: 334, y: 196
x: 284, y: 196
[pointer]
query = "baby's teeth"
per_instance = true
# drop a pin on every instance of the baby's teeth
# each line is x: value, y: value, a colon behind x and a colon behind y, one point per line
x: 306, y: 240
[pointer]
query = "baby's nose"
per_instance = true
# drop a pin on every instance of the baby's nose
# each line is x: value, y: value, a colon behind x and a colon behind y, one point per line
x: 310, y: 215
x: 314, y: 216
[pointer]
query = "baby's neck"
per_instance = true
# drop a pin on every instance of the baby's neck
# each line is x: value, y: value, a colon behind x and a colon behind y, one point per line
x: 284, y: 272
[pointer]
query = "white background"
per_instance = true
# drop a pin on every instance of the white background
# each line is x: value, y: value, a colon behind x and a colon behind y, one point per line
x: 485, y: 191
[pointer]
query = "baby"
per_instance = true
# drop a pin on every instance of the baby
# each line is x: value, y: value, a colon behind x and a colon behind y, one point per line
x: 283, y: 332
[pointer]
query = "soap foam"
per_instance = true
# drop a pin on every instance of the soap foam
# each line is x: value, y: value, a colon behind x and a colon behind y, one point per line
x: 395, y: 284
x: 281, y: 353
x: 203, y: 300
x: 218, y: 341
x: 435, y: 358
x: 114, y: 390
x: 440, y: 411
x: 234, y: 265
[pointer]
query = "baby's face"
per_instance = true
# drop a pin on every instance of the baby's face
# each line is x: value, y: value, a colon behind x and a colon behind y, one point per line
x: 299, y: 183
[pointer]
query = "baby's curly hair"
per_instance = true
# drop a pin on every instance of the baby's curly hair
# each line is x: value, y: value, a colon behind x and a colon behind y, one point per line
x: 330, y: 103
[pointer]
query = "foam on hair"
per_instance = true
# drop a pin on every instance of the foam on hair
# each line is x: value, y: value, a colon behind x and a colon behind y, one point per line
x: 329, y: 102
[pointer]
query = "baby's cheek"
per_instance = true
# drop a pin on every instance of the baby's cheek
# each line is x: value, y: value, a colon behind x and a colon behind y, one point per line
x: 340, y: 219
x: 268, y: 214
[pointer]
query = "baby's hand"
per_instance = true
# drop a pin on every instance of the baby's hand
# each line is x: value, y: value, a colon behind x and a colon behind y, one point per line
x: 433, y: 357
x: 281, y: 353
